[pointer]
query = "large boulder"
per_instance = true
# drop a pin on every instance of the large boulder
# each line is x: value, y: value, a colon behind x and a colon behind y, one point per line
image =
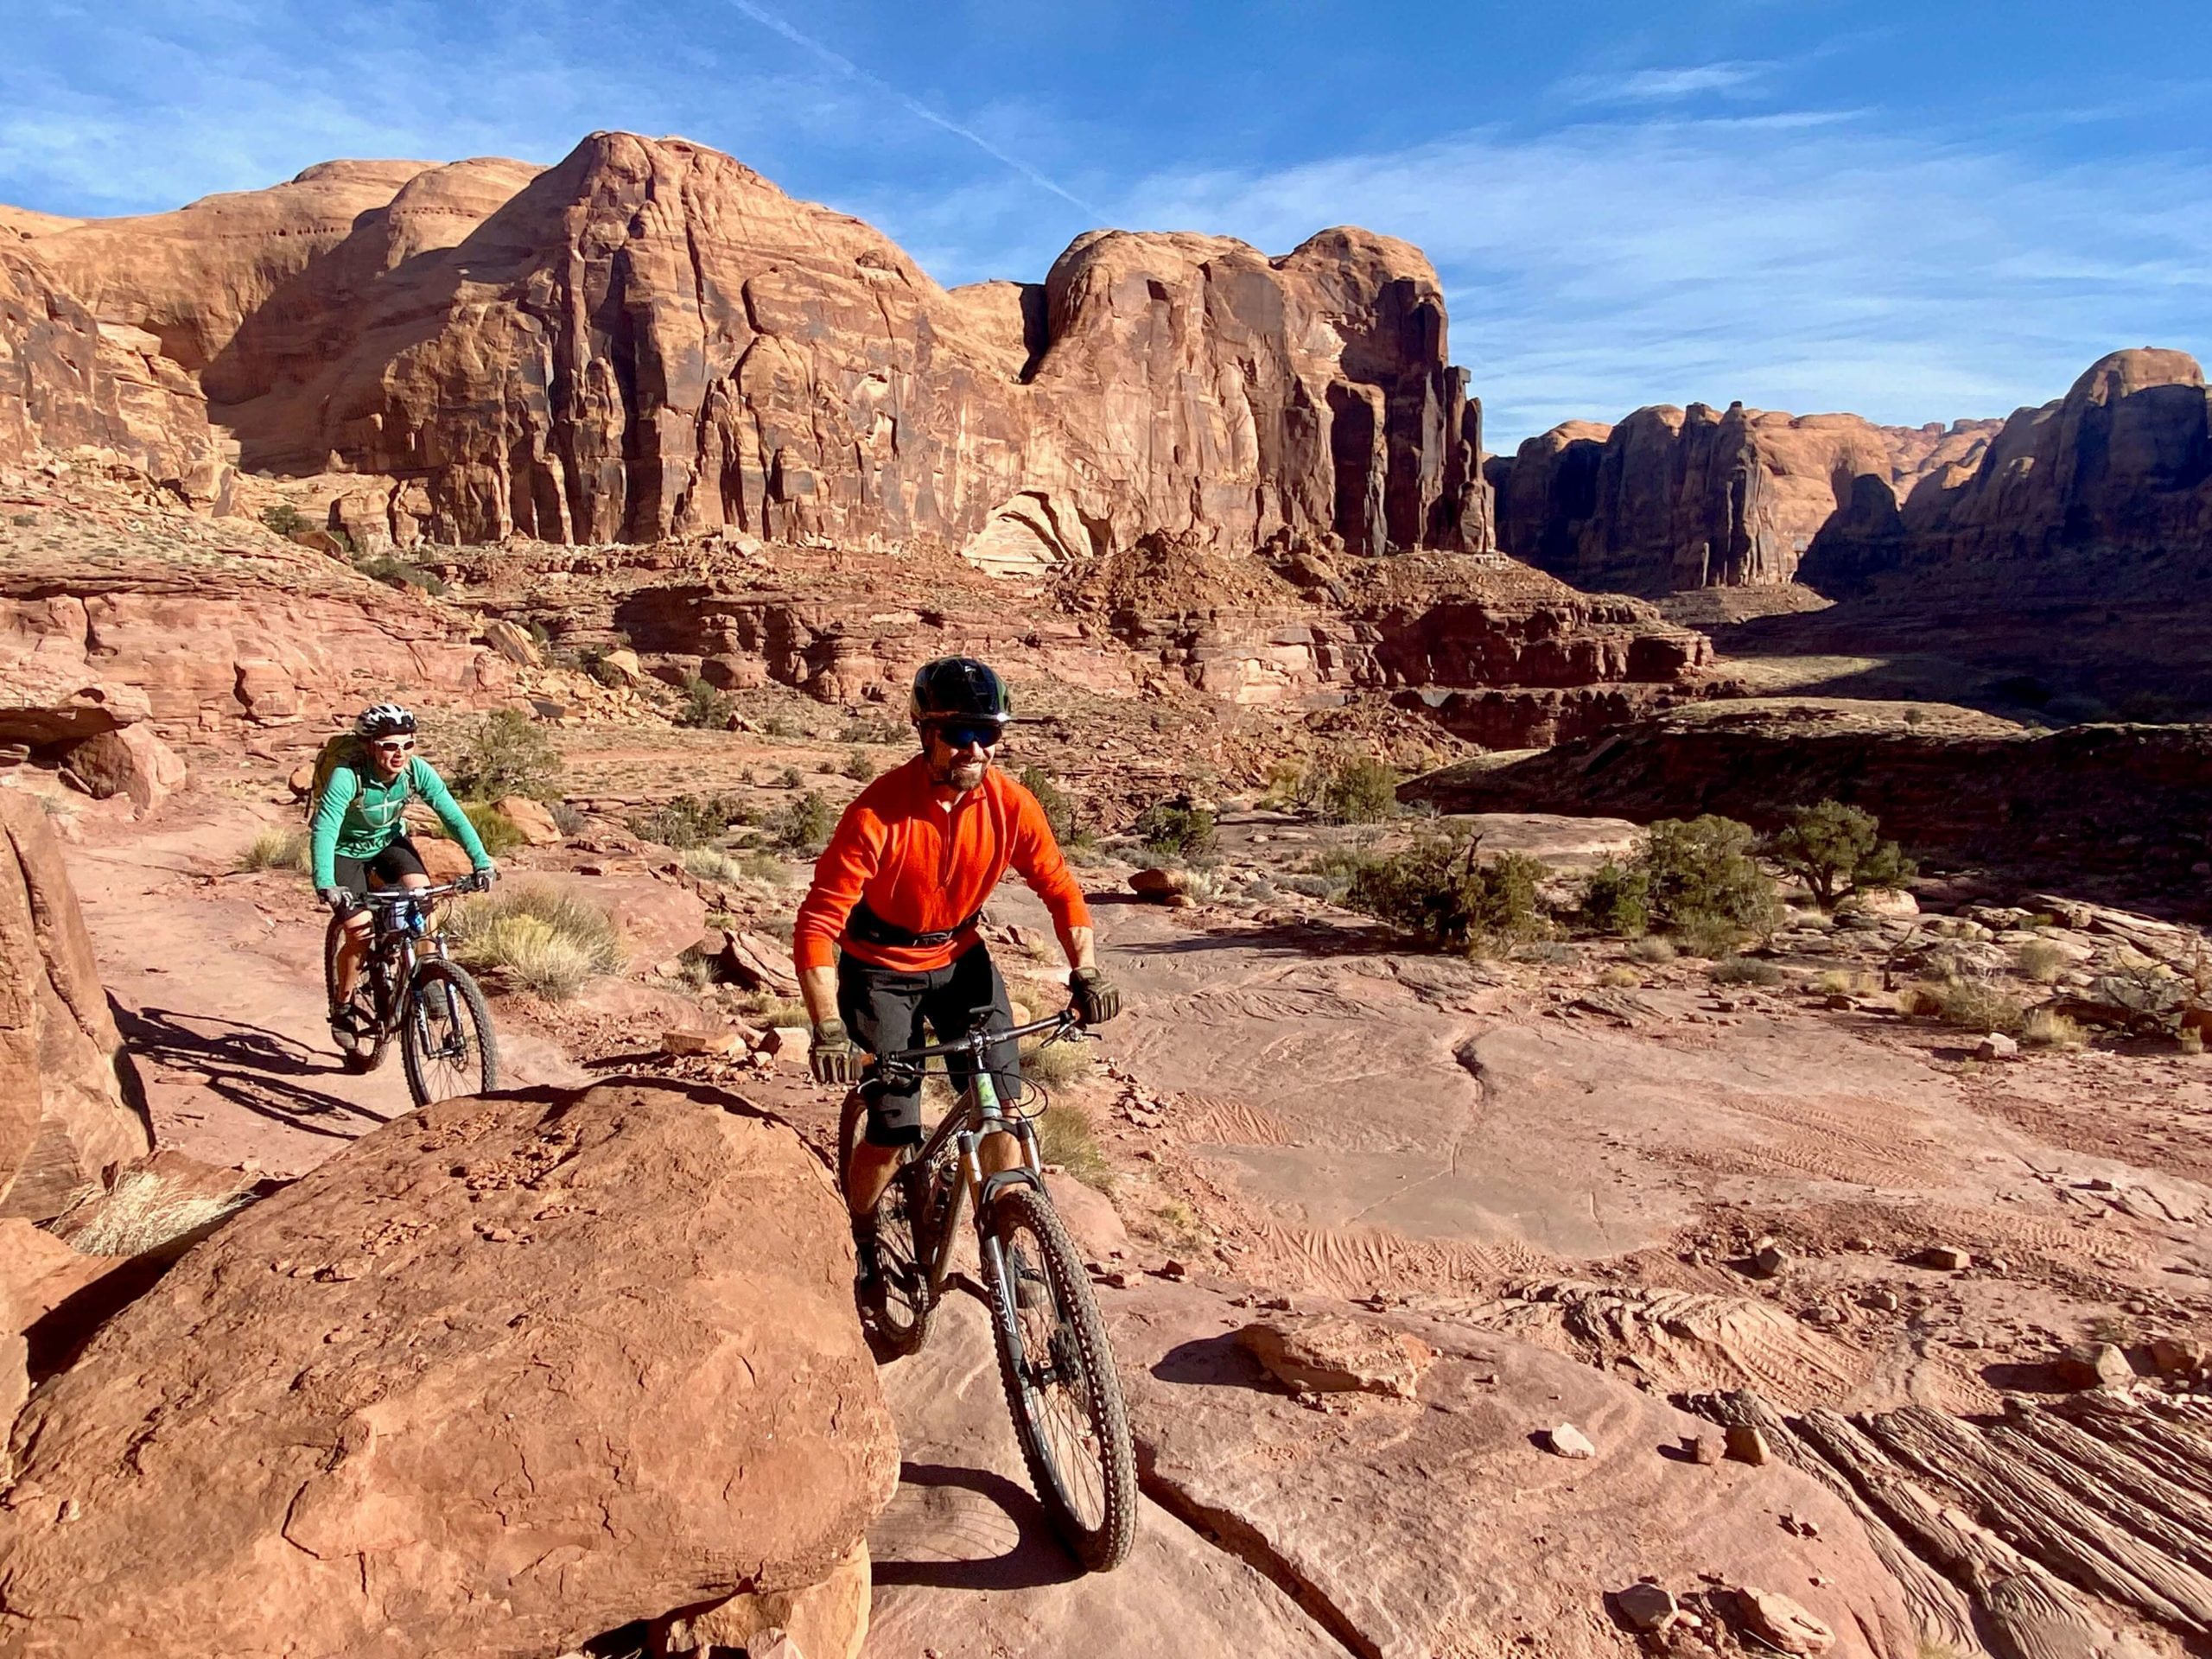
x: 130, y: 761
x: 69, y: 1098
x: 506, y: 1373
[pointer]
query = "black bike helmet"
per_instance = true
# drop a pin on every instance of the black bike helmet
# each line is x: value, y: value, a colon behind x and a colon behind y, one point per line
x: 960, y: 688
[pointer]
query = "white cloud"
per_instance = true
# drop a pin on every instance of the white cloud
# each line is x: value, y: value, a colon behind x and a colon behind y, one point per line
x: 1667, y: 85
x: 1803, y: 262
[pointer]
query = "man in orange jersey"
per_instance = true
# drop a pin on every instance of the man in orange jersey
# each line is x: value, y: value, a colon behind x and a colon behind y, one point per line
x: 886, y: 936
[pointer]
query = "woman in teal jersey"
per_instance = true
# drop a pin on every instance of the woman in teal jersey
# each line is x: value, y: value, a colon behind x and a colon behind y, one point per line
x: 357, y: 832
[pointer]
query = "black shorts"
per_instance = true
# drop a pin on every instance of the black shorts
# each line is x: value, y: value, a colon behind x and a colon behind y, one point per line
x: 398, y: 860
x: 885, y: 1010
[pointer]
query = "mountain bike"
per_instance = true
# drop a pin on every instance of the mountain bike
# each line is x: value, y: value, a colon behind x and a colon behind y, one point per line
x: 409, y: 989
x: 1054, y: 1360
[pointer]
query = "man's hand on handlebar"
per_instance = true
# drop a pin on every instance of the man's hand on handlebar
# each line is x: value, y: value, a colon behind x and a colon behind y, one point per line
x: 1096, y: 999
x: 833, y: 1058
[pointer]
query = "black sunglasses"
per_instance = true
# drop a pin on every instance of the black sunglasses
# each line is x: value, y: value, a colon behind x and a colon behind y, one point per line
x: 960, y: 734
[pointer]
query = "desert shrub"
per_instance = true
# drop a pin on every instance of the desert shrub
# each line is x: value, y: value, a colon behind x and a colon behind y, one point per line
x: 685, y: 821
x: 286, y: 519
x: 1359, y: 789
x: 506, y: 753
x: 1620, y: 977
x: 860, y: 766
x: 566, y: 818
x: 1837, y: 851
x: 2047, y: 1028
x: 704, y: 708
x: 276, y: 849
x: 1617, y: 899
x: 766, y: 1009
x: 1549, y: 952
x: 395, y: 572
x: 1703, y: 886
x: 2190, y: 1038
x: 1287, y: 787
x: 1056, y: 1064
x: 710, y: 864
x: 880, y: 729
x: 1176, y: 828
x: 1971, y: 1004
x: 544, y: 939
x: 1745, y: 970
x: 782, y: 726
x: 142, y: 1211
x: 1068, y: 828
x: 1438, y: 888
x: 2041, y: 960
x: 1653, y: 947
x: 791, y: 778
x: 1843, y: 982
x: 804, y: 824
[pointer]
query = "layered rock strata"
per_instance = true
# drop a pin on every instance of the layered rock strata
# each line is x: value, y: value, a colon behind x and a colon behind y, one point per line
x: 649, y: 340
x: 1674, y: 499
x: 2110, y: 482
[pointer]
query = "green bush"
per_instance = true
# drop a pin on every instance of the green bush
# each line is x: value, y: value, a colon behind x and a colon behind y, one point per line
x: 2043, y: 962
x: 1973, y: 1004
x: 1837, y: 851
x: 803, y: 825
x: 1617, y: 899
x: 704, y: 707
x: 506, y: 753
x: 1652, y: 948
x: 276, y: 849
x: 1176, y: 828
x: 685, y: 821
x: 1071, y: 832
x: 792, y: 778
x: 860, y: 766
x: 1360, y: 790
x: 1437, y: 887
x: 1703, y: 886
x: 710, y: 865
x: 881, y: 729
x: 286, y: 519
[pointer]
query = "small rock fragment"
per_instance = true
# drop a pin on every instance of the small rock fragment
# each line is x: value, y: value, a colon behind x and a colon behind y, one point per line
x: 1701, y: 1449
x: 1746, y: 1444
x: 1769, y: 1261
x: 1781, y: 1622
x: 2100, y: 1365
x: 1946, y: 1258
x: 1569, y: 1441
x: 1646, y: 1607
x: 1997, y: 1047
x: 1884, y: 1301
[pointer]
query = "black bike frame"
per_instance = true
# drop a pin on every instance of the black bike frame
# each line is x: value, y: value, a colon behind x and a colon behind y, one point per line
x: 979, y: 1113
x: 392, y: 940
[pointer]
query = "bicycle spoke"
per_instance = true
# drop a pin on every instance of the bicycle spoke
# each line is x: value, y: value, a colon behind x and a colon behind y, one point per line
x: 1051, y: 1375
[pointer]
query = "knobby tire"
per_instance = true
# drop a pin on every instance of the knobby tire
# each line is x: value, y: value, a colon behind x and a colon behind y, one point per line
x: 362, y: 1053
x: 899, y: 1315
x: 1094, y: 1509
x: 449, y: 992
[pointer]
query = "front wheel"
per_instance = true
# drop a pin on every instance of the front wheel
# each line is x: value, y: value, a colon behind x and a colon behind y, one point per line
x: 1057, y: 1369
x: 445, y: 1036
x: 366, y: 1051
x: 899, y: 1309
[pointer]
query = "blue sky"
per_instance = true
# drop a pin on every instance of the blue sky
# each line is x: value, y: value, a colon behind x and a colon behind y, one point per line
x: 1917, y: 212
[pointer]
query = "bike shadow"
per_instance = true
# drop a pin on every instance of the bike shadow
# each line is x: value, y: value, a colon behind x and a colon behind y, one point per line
x: 265, y: 1073
x: 960, y: 1529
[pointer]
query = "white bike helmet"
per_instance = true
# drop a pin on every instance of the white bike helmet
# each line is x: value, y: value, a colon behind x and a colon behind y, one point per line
x: 384, y: 720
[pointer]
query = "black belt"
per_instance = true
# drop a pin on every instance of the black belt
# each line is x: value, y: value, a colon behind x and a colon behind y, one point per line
x: 869, y: 928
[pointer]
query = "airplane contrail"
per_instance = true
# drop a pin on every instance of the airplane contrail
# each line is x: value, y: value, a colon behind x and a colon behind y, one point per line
x: 845, y: 66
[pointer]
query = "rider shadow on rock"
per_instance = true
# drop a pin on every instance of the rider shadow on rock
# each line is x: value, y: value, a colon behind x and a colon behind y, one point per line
x: 1216, y: 1363
x: 1302, y: 940
x: 245, y: 1065
x: 949, y: 1529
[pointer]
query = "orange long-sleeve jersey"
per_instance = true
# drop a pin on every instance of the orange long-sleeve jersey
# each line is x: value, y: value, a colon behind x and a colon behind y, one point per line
x: 925, y: 868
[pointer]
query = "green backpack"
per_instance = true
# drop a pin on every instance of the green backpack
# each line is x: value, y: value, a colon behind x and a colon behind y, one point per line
x: 343, y: 750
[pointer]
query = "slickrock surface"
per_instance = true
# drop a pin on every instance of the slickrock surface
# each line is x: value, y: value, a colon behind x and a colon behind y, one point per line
x: 508, y: 1374
x: 69, y: 1098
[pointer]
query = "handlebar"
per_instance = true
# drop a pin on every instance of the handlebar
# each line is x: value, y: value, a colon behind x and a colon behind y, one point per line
x: 977, y: 1042
x: 392, y: 897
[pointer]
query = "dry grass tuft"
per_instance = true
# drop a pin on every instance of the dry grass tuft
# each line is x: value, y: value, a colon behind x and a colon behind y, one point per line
x: 143, y: 1212
x: 545, y: 940
x: 1620, y: 977
x: 2046, y: 1029
x: 1054, y: 1064
x: 1066, y: 1137
x: 276, y: 849
x: 1653, y: 948
x: 1971, y: 1004
x: 2041, y: 960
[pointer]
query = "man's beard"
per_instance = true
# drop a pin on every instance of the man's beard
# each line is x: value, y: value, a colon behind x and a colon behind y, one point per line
x: 961, y: 775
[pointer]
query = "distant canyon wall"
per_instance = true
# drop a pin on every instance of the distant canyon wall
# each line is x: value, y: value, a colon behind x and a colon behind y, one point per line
x: 649, y: 340
x: 2116, y: 473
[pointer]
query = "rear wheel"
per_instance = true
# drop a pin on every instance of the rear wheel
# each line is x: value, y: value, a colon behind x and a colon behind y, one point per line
x: 899, y: 1309
x: 1057, y: 1368
x: 365, y: 1050
x: 445, y: 1036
